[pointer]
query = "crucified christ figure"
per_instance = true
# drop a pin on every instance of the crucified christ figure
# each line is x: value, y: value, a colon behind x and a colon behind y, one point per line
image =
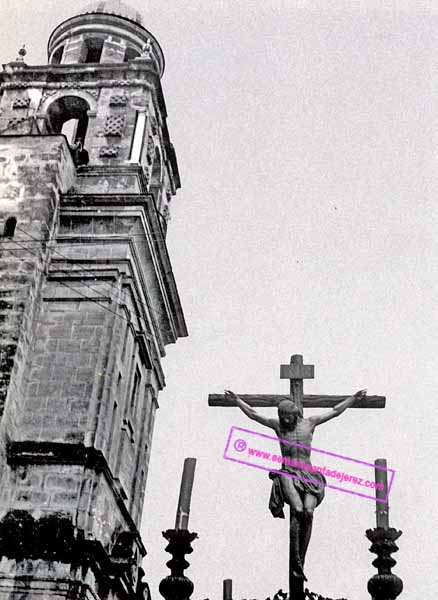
x: 302, y: 496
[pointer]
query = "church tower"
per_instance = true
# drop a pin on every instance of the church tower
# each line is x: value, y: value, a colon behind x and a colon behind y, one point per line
x: 88, y: 303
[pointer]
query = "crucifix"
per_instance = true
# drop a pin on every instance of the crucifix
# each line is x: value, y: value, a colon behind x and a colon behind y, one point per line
x: 291, y: 425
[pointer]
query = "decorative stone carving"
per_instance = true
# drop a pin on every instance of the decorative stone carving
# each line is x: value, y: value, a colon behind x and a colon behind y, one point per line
x: 15, y: 85
x: 118, y: 100
x: 16, y: 533
x: 166, y: 214
x: 150, y: 150
x: 146, y: 51
x: 114, y: 125
x: 124, y: 545
x: 154, y: 125
x: 47, y: 94
x: 109, y: 151
x: 22, y: 102
x: 16, y: 121
x: 94, y: 92
x: 21, y: 53
x: 140, y: 100
x: 50, y: 537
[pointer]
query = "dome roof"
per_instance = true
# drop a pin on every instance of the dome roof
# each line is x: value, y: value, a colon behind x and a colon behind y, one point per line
x: 113, y: 7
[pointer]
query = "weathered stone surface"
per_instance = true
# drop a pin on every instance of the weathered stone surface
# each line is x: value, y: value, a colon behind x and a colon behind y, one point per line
x: 42, y: 172
x: 88, y: 303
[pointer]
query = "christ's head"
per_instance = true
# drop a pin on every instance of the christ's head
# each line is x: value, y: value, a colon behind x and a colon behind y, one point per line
x: 288, y: 413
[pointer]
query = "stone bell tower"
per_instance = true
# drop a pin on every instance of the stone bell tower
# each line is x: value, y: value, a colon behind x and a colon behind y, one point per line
x: 88, y: 302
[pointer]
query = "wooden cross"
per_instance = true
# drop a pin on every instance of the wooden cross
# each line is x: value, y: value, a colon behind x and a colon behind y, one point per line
x: 296, y: 372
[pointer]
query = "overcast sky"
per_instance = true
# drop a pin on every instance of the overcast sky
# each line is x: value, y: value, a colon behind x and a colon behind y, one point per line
x: 306, y: 135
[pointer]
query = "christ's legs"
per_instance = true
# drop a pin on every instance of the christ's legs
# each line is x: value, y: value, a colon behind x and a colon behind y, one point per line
x: 291, y: 495
x: 306, y: 524
x: 293, y: 498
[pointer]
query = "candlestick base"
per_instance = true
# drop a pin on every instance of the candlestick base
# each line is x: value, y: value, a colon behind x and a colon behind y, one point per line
x: 177, y: 586
x: 384, y: 585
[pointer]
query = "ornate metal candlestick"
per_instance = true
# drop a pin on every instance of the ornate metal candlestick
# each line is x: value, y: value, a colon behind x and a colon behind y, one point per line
x: 177, y: 586
x: 384, y: 585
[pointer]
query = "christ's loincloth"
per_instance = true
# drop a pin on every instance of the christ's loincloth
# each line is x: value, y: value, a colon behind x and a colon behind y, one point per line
x: 316, y: 487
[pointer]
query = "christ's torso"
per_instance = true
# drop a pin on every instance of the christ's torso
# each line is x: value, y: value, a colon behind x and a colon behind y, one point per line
x: 301, y: 434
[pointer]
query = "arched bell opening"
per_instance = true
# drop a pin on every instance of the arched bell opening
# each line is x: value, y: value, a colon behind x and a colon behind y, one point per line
x: 57, y: 56
x: 69, y: 115
x: 92, y: 51
x: 130, y: 54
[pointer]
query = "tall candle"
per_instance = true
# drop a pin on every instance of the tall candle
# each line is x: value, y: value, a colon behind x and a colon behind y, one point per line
x: 185, y: 494
x: 382, y: 508
x: 228, y: 589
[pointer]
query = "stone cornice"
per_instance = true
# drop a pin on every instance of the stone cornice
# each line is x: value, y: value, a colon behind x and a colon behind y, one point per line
x: 43, y: 453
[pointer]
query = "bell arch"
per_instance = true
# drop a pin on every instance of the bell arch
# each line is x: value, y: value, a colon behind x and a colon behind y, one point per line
x: 68, y: 114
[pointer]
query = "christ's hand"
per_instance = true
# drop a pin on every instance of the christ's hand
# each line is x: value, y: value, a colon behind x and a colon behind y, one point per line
x: 249, y: 410
x: 229, y: 395
x: 338, y: 409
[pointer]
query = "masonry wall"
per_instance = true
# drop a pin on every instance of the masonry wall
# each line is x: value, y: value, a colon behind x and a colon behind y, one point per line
x: 34, y: 171
x: 88, y: 303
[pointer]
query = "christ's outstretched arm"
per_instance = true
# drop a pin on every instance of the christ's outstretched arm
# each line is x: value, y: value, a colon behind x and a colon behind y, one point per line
x: 250, y: 412
x: 338, y: 409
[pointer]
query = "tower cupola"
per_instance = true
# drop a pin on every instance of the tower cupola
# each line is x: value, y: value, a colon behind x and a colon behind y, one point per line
x: 107, y: 31
x: 102, y: 91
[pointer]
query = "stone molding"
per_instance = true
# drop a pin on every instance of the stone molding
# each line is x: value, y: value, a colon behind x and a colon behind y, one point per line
x: 33, y: 452
x: 53, y: 538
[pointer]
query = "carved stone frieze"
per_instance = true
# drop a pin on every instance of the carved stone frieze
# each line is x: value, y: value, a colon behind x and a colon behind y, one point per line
x: 140, y: 100
x: 94, y: 92
x: 154, y: 125
x: 50, y: 537
x: 16, y: 121
x: 114, y: 125
x: 109, y: 151
x: 118, y: 100
x: 150, y: 150
x: 21, y: 102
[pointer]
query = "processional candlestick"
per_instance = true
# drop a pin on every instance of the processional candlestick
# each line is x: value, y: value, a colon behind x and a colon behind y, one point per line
x: 384, y: 585
x: 177, y: 586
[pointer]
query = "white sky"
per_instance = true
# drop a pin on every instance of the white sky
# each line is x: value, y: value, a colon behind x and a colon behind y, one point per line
x: 306, y: 134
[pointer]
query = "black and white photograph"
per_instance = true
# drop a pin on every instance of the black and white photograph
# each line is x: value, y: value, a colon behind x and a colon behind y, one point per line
x: 218, y: 299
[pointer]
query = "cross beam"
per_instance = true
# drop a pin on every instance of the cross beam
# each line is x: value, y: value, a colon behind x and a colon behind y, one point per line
x: 312, y: 401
